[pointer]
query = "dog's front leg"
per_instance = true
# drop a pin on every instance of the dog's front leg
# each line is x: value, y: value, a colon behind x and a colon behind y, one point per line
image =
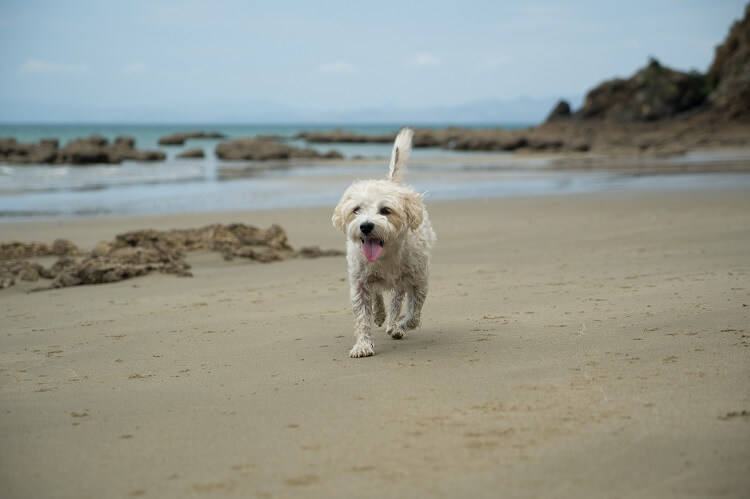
x: 362, y: 306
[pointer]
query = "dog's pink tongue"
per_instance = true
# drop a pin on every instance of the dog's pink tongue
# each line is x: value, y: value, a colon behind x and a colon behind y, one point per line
x: 372, y: 249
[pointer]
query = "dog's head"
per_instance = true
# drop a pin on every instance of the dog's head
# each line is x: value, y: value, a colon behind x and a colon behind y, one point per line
x: 376, y: 214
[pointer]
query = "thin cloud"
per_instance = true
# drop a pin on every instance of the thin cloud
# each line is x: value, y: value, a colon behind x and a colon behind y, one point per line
x: 135, y: 68
x: 425, y: 60
x: 40, y: 66
x: 338, y: 67
x: 494, y: 62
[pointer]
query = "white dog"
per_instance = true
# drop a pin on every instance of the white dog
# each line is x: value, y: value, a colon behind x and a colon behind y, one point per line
x: 389, y: 238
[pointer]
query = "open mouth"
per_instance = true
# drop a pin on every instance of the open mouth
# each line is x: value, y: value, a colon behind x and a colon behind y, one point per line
x: 371, y: 248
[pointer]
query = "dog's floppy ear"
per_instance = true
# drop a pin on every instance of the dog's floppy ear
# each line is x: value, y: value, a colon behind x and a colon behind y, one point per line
x: 339, y: 218
x: 414, y: 208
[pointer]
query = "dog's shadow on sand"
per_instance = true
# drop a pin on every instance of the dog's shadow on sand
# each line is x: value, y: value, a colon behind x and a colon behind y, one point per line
x: 427, y: 343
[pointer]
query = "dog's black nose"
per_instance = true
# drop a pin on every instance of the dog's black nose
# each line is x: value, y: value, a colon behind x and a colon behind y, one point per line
x: 366, y: 227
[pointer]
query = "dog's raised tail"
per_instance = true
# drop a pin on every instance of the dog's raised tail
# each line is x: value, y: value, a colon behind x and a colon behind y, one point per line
x: 401, y: 150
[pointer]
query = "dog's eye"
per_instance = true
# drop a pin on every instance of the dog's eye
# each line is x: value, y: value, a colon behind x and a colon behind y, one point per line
x: 385, y: 210
x: 355, y: 210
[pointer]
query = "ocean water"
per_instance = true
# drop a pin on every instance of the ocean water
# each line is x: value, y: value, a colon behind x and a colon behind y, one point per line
x: 204, y: 185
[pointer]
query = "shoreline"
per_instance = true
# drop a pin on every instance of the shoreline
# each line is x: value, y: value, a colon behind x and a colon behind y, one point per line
x: 204, y: 187
x: 21, y: 228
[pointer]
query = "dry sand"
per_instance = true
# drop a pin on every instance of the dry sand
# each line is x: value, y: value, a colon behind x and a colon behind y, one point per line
x: 590, y: 346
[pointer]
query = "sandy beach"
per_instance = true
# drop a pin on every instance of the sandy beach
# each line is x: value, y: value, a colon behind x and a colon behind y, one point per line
x: 575, y: 346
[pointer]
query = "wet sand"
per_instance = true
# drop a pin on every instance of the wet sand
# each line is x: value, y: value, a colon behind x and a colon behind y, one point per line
x: 587, y: 346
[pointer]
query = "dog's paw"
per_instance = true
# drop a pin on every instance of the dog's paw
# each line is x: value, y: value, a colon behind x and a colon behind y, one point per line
x: 362, y: 349
x: 396, y: 332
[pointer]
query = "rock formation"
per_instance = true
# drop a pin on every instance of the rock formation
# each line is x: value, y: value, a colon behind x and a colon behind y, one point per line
x: 342, y: 136
x: 729, y: 74
x: 192, y: 153
x: 561, y: 111
x: 82, y: 151
x: 658, y: 93
x: 179, y: 139
x: 264, y: 149
x: 651, y: 94
x: 140, y: 252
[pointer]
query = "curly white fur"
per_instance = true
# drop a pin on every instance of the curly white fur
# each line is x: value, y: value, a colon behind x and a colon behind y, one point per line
x: 389, y: 240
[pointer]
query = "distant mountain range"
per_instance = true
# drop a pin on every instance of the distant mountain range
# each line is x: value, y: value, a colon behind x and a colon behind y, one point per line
x: 523, y: 110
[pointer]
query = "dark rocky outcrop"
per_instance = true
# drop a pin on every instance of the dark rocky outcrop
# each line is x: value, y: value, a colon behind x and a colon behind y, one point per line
x: 343, y: 136
x: 12, y: 151
x: 179, y: 139
x: 82, y: 151
x: 192, y: 153
x: 561, y: 111
x: 729, y: 73
x: 262, y: 149
x: 658, y: 93
x: 651, y: 94
x: 140, y: 252
x: 97, y: 149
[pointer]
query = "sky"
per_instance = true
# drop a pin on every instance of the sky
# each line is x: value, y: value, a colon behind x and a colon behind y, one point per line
x: 167, y: 61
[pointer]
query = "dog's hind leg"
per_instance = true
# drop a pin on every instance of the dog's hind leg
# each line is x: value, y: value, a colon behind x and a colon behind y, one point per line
x: 362, y: 307
x: 415, y: 301
x: 394, y: 311
x: 379, y: 307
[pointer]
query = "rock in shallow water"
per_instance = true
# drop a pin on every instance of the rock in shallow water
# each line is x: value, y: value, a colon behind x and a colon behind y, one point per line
x: 264, y: 149
x: 82, y: 151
